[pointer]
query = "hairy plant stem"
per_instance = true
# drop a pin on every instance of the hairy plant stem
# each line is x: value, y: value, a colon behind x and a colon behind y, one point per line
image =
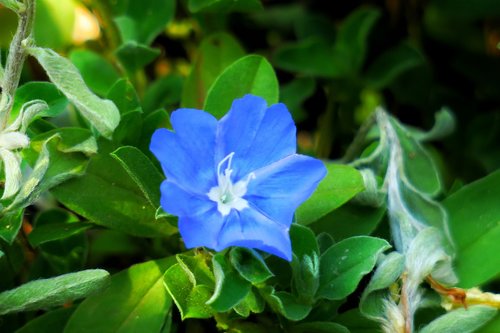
x: 359, y: 140
x: 405, y: 304
x: 15, y: 60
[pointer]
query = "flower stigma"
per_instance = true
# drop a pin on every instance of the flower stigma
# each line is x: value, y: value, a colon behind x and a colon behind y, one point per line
x: 226, y: 194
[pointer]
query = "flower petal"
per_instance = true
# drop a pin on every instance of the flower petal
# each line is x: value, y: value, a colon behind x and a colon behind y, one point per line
x: 256, y: 134
x: 278, y: 189
x: 201, y: 230
x: 187, y: 156
x: 252, y: 229
x: 176, y: 201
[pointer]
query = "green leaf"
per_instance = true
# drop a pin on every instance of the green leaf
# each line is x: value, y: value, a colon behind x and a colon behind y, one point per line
x: 135, y: 301
x: 352, y: 38
x: 163, y: 93
x: 44, y: 293
x: 190, y: 298
x: 102, y: 114
x: 474, y: 215
x: 13, y: 5
x: 53, y: 321
x: 443, y: 126
x: 156, y: 119
x: 108, y: 196
x: 56, y: 231
x: 344, y: 264
x: 142, y: 171
x: 465, y: 10
x: 45, y: 91
x: 295, y: 93
x: 349, y: 220
x: 196, y: 6
x: 230, y: 287
x: 252, y: 74
x: 130, y: 129
x: 340, y: 184
x: 388, y: 271
x: 135, y: 56
x: 197, y: 266
x: 123, y: 94
x: 71, y: 140
x: 285, y: 303
x: 10, y: 223
x: 419, y: 167
x: 319, y: 327
x: 54, y: 23
x: 252, y: 303
x: 357, y: 323
x: 250, y: 265
x: 461, y: 320
x: 144, y: 20
x: 491, y: 326
x: 391, y: 64
x: 215, y: 53
x: 55, y: 156
x: 303, y: 241
x: 305, y: 263
x: 314, y: 57
x: 98, y: 74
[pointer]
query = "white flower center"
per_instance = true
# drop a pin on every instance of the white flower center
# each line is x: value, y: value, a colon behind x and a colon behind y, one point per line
x: 226, y: 194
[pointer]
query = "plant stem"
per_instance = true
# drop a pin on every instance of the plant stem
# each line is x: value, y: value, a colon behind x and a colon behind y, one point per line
x: 405, y: 303
x: 359, y: 140
x: 15, y: 60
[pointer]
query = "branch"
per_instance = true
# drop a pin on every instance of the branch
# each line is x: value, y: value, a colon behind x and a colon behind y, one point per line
x: 15, y: 59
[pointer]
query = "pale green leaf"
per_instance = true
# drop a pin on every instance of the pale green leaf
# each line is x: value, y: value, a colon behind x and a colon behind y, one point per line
x: 45, y: 293
x: 102, y: 114
x: 461, y: 320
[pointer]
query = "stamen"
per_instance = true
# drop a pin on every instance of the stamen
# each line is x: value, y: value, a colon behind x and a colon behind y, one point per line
x: 221, y: 163
x: 228, y: 195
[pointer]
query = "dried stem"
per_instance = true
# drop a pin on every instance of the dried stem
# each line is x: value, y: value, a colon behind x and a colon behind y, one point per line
x: 15, y: 60
x: 457, y: 295
x: 405, y: 304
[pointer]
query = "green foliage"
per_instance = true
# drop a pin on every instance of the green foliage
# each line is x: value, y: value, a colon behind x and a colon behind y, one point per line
x: 395, y: 209
x: 215, y: 53
x: 465, y: 320
x: 344, y: 264
x: 249, y: 75
x: 45, y: 91
x: 102, y: 114
x: 341, y: 184
x: 474, y: 225
x: 98, y: 74
x: 142, y: 22
x: 135, y: 300
x: 224, y: 5
x: 142, y: 171
x: 110, y: 197
x: 47, y: 293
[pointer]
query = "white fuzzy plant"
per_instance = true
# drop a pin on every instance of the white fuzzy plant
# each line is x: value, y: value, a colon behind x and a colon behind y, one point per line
x: 419, y: 229
x: 20, y: 189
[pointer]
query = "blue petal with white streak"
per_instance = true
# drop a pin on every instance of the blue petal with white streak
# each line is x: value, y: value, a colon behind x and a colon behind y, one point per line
x: 237, y: 181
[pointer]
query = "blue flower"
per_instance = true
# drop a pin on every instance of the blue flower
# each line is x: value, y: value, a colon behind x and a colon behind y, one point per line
x: 236, y: 181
